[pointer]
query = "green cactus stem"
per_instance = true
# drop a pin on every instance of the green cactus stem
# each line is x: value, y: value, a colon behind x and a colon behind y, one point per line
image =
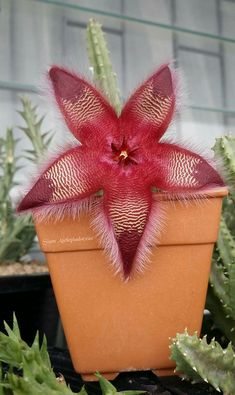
x: 221, y: 293
x: 224, y: 150
x: 37, y: 374
x: 221, y: 319
x: 17, y: 233
x: 101, y: 64
x: 199, y: 360
x: 226, y: 244
x: 224, y: 286
x: 33, y: 130
x: 8, y: 167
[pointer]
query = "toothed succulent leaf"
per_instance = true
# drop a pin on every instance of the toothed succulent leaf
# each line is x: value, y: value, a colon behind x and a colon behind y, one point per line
x: 226, y: 244
x: 34, y: 362
x: 33, y: 130
x: 18, y: 233
x: 221, y: 318
x: 196, y: 358
x: 37, y: 376
x: 221, y: 293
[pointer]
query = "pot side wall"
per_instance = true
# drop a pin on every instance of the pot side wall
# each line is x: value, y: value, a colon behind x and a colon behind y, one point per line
x: 112, y: 326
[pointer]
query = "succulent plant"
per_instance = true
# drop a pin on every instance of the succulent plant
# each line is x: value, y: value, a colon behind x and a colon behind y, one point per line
x: 224, y: 150
x: 194, y: 357
x: 221, y: 292
x: 199, y: 360
x: 17, y: 233
x: 39, y: 139
x: 101, y: 65
x: 30, y: 371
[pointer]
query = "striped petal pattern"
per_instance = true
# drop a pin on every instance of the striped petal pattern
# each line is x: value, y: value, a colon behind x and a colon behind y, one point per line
x: 149, y: 110
x: 70, y: 177
x: 180, y: 170
x: 128, y: 216
x: 88, y: 115
x: 125, y: 218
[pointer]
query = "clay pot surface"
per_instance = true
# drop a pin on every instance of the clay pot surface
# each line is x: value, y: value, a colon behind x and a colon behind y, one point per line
x: 113, y: 326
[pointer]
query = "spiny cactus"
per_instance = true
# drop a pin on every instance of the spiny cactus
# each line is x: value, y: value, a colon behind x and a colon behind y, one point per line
x: 224, y: 150
x: 194, y: 357
x: 37, y: 376
x: 33, y: 130
x: 221, y: 292
x: 17, y: 233
x: 8, y: 167
x: 101, y: 64
x: 226, y: 244
x: 199, y: 360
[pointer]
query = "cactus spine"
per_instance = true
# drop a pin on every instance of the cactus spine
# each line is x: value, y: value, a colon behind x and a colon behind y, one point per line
x: 198, y: 359
x: 101, y: 64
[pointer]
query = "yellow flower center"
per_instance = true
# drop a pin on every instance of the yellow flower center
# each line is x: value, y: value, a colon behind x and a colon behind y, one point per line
x: 123, y: 155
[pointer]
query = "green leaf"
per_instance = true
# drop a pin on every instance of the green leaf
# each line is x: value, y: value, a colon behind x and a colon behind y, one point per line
x: 83, y: 391
x: 108, y: 389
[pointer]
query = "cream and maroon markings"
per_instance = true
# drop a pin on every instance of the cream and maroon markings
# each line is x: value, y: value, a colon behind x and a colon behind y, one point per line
x: 69, y: 176
x: 181, y: 169
x: 149, y: 110
x: 85, y: 111
x: 82, y: 108
x: 152, y: 107
x: 128, y: 216
x: 178, y: 169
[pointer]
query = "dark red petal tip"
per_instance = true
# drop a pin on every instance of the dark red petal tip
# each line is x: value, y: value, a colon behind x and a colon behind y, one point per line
x: 66, y: 85
x: 162, y: 82
x: 38, y: 196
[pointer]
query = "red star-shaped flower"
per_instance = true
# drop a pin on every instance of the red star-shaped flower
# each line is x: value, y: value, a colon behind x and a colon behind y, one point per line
x: 123, y: 157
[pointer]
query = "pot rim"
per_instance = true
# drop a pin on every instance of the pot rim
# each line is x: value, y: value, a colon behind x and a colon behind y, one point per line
x: 204, y: 194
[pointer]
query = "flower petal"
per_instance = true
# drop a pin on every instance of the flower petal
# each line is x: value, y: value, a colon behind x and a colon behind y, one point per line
x: 179, y: 170
x: 88, y: 115
x: 71, y: 177
x: 149, y: 110
x: 128, y: 220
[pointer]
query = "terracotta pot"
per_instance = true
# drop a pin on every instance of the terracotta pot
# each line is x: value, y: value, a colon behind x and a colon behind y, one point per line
x: 112, y: 326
